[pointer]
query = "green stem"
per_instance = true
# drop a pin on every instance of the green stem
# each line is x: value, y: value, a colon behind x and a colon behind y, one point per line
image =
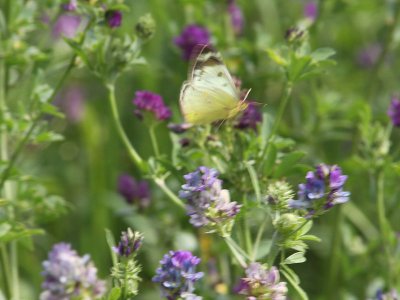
x: 334, y: 256
x: 154, y: 140
x: 161, y: 184
x: 282, y: 107
x: 117, y: 122
x: 387, y: 43
x: 258, y: 239
x: 232, y: 246
x: 6, y: 270
x: 383, y: 225
x: 283, y: 103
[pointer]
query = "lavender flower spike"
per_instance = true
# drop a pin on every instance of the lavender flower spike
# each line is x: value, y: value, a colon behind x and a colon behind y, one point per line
x: 134, y: 192
x: 322, y: 190
x: 129, y: 243
x: 177, y: 275
x: 262, y: 283
x: 190, y: 37
x: 394, y: 111
x: 208, y: 204
x: 68, y: 275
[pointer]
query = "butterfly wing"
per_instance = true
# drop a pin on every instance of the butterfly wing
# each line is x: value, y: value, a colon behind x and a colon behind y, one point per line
x: 210, y: 93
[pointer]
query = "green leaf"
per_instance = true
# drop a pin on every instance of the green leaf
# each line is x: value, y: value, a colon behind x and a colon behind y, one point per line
x: 254, y: 180
x: 295, y: 258
x: 111, y: 243
x: 271, y: 158
x: 48, y: 136
x: 277, y: 58
x: 310, y: 237
x: 322, y: 54
x: 295, y: 285
x: 115, y: 293
x: 288, y: 162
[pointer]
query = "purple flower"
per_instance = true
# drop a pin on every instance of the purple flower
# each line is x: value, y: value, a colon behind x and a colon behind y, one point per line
x: 66, y: 25
x: 192, y: 36
x: 68, y: 275
x: 262, y: 283
x: 134, y: 191
x: 322, y: 190
x: 179, y: 128
x: 311, y: 10
x: 237, y: 20
x: 368, y: 56
x: 392, y: 295
x: 71, y: 102
x: 148, y: 101
x: 113, y: 18
x: 129, y: 243
x: 177, y: 275
x: 394, y: 111
x: 250, y: 118
x: 71, y: 5
x: 207, y: 203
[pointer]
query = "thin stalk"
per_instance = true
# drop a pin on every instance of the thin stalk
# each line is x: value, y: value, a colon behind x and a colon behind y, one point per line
x: 334, y: 256
x: 383, y: 225
x: 6, y: 269
x: 258, y: 239
x: 233, y: 247
x: 117, y: 122
x: 161, y: 184
x: 287, y: 91
x: 389, y: 37
x: 282, y: 107
x: 154, y: 140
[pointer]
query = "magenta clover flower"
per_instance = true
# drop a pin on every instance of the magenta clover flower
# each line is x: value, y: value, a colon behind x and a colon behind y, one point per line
x: 237, y: 20
x: 154, y: 103
x: 113, y: 18
x: 250, y: 118
x: 134, y: 191
x: 177, y: 275
x: 394, y: 111
x: 311, y: 10
x: 67, y: 275
x: 70, y: 5
x: 190, y: 37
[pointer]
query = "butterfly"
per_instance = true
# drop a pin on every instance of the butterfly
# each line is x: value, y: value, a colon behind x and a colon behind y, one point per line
x: 210, y: 93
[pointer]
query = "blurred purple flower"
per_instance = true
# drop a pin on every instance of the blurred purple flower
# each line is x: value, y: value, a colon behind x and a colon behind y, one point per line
x: 392, y: 295
x: 129, y: 243
x: 177, y: 275
x: 113, y: 18
x: 250, y: 118
x: 311, y: 10
x: 368, y: 56
x: 71, y: 102
x: 179, y: 128
x: 262, y: 283
x: 66, y: 25
x: 134, y: 191
x: 190, y: 37
x: 68, y: 275
x: 207, y: 203
x: 322, y: 190
x: 237, y: 20
x: 394, y: 111
x: 71, y: 5
x: 148, y: 101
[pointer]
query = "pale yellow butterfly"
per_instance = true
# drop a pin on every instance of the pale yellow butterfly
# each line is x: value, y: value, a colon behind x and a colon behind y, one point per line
x: 210, y: 93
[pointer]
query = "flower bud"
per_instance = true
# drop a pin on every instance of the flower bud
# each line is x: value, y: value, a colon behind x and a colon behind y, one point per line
x: 146, y: 27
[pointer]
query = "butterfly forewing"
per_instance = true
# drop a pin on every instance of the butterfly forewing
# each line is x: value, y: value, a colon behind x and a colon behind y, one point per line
x: 210, y: 93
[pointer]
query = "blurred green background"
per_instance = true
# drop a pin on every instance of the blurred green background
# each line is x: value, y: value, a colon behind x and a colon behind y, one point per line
x: 323, y: 117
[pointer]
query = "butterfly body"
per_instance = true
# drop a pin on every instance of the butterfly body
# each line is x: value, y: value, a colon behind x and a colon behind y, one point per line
x: 209, y: 94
